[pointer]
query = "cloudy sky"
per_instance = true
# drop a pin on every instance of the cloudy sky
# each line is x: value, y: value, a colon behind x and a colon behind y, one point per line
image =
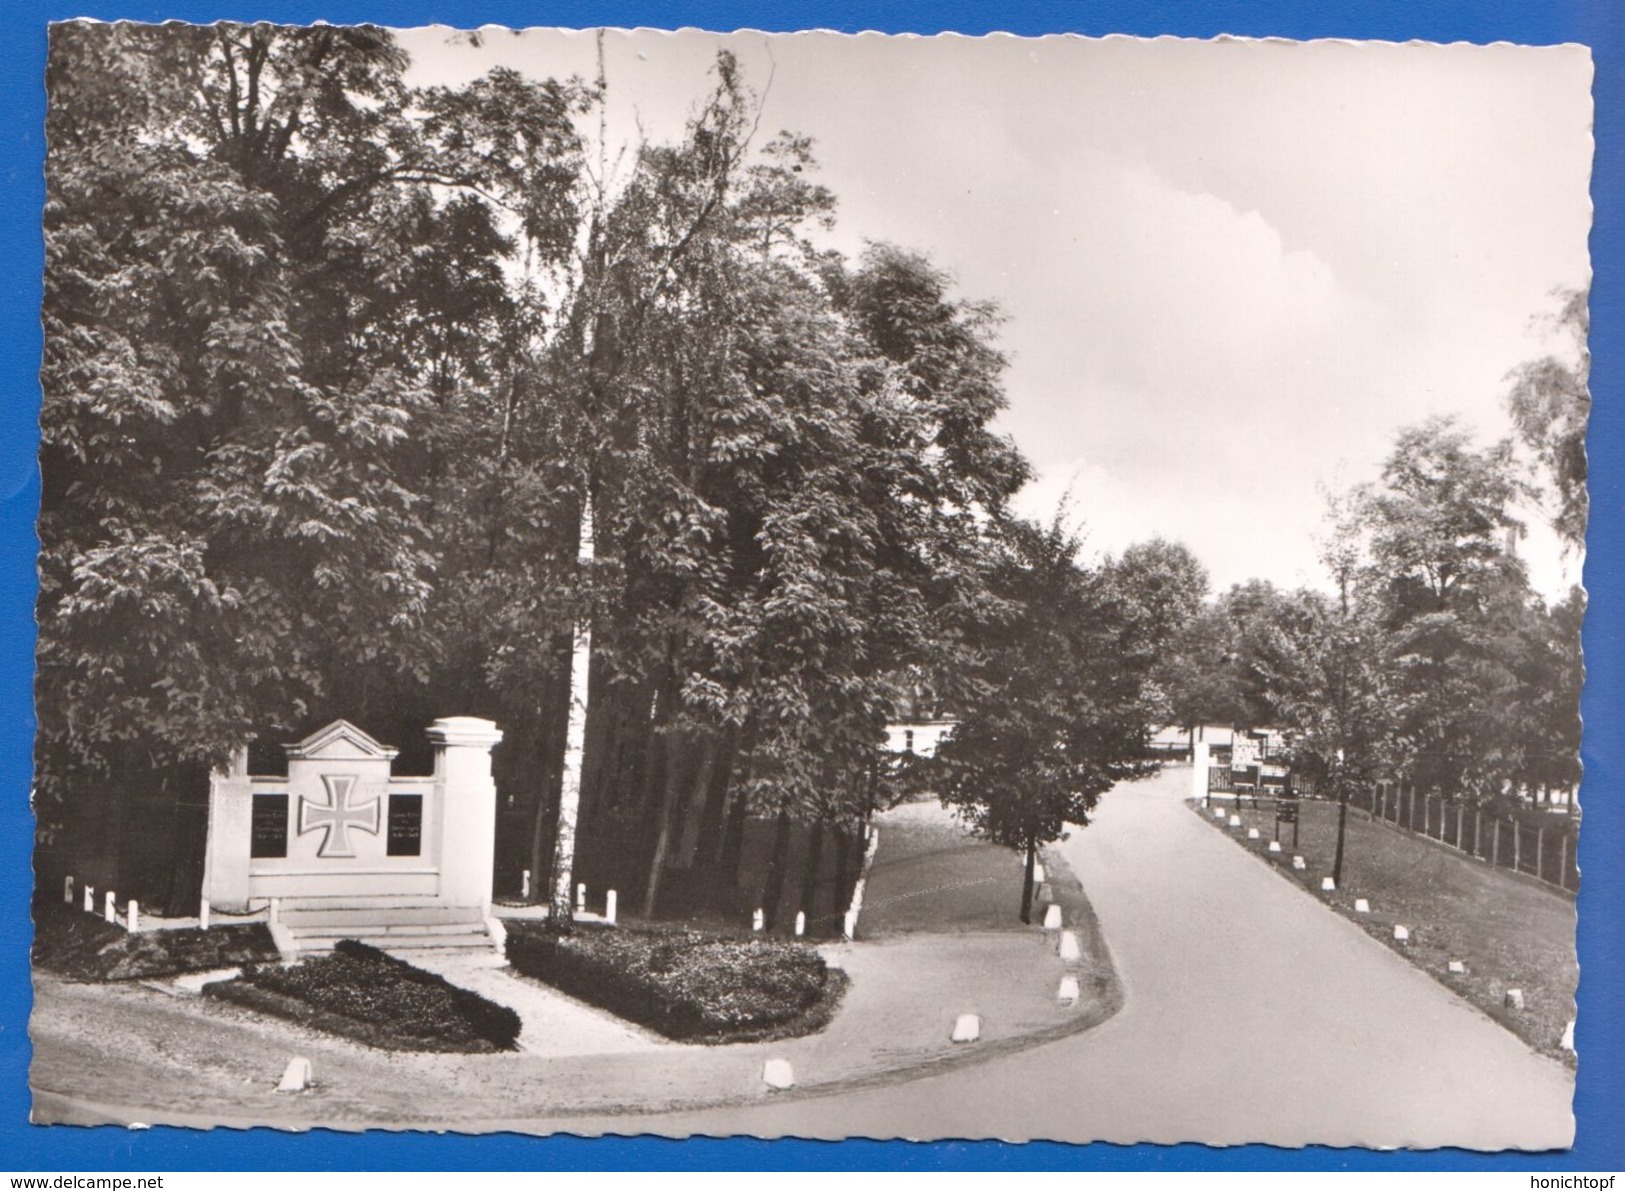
x: 1231, y: 270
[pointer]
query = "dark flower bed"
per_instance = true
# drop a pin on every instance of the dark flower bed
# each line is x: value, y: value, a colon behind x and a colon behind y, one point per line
x: 82, y: 946
x: 683, y: 984
x: 362, y: 993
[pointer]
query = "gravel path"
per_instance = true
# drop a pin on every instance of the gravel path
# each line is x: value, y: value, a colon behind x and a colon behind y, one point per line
x: 553, y: 1025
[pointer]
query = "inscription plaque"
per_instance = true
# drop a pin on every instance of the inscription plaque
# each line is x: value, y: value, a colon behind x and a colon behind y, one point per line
x: 405, y: 825
x: 268, y: 827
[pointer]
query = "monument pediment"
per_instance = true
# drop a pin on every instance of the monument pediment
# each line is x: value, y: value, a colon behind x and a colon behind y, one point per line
x: 339, y: 740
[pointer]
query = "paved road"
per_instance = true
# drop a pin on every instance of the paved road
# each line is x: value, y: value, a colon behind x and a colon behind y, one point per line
x: 1253, y: 1014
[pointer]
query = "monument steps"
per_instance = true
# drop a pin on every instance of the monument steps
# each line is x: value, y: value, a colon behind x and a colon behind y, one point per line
x: 379, y: 916
x: 368, y: 930
x: 396, y: 943
x: 314, y: 927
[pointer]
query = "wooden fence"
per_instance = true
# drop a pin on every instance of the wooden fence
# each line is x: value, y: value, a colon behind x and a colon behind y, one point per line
x: 1544, y: 851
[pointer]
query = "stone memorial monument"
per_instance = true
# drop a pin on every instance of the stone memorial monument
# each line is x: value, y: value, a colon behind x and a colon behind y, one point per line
x: 341, y: 848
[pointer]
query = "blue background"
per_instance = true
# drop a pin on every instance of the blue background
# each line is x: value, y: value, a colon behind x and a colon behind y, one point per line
x: 1600, y: 1100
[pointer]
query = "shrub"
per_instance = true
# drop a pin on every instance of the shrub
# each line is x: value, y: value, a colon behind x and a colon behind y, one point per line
x: 82, y: 946
x: 365, y: 994
x: 683, y: 984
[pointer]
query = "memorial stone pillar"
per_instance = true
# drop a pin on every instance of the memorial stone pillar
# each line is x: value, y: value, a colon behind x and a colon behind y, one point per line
x: 226, y: 856
x: 468, y: 808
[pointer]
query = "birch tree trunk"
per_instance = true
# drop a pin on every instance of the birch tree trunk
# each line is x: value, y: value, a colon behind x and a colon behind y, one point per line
x: 562, y: 903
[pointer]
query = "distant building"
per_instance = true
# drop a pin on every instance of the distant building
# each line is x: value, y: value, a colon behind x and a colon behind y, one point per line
x: 1227, y: 758
x: 919, y: 737
x: 919, y: 721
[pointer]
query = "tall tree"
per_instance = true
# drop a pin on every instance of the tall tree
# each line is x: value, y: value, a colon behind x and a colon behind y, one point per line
x: 1050, y: 723
x: 1438, y: 527
x: 788, y: 460
x: 222, y: 524
x: 268, y: 261
x: 1550, y: 404
x: 1326, y: 669
x: 1532, y: 676
x: 1213, y: 669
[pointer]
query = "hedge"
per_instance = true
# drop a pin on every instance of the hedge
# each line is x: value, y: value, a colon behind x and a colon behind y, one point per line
x: 362, y: 993
x: 683, y: 984
x: 82, y: 946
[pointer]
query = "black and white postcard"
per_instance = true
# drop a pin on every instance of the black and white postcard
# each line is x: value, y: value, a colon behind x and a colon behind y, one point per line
x: 811, y: 585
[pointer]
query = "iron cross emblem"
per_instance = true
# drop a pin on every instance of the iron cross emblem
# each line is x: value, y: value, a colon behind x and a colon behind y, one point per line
x: 337, y: 816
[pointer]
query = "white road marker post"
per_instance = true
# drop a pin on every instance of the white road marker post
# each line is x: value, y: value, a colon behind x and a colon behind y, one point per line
x: 298, y: 1076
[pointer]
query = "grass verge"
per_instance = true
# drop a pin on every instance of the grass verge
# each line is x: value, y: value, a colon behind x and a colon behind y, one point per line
x: 81, y: 946
x: 683, y: 984
x: 363, y: 994
x: 1507, y: 932
x: 932, y: 875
